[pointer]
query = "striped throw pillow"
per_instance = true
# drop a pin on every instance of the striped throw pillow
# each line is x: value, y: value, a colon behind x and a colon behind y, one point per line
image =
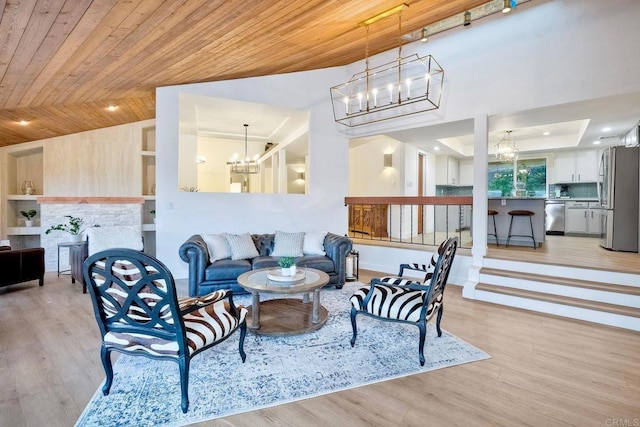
x: 288, y: 244
x: 241, y: 246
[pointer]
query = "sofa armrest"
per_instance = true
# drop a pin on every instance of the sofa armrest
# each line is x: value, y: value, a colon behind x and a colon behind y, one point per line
x: 32, y: 264
x: 337, y: 247
x: 195, y: 252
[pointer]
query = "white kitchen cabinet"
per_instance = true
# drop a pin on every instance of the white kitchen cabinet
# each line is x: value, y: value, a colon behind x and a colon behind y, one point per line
x: 447, y: 170
x: 587, y: 165
x: 582, y: 217
x: 576, y: 166
x: 593, y: 218
x: 465, y: 171
x: 575, y: 217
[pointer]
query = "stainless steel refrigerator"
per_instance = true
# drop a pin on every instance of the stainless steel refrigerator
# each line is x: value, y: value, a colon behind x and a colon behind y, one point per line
x: 618, y: 189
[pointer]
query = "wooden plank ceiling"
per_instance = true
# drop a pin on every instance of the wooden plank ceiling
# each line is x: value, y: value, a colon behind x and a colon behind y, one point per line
x: 63, y: 62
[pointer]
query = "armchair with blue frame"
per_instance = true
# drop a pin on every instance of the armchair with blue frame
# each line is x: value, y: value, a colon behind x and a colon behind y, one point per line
x: 399, y: 299
x: 138, y: 313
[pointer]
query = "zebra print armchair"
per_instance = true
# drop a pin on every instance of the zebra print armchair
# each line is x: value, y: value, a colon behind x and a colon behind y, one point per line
x: 405, y: 300
x: 138, y: 313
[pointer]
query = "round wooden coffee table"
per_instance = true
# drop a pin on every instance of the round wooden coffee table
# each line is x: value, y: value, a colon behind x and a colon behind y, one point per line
x: 285, y: 316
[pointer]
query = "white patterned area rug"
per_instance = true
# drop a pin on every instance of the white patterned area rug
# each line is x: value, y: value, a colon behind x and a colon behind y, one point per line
x: 278, y: 370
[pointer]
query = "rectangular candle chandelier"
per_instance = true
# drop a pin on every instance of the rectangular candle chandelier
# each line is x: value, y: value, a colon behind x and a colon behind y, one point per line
x: 405, y: 86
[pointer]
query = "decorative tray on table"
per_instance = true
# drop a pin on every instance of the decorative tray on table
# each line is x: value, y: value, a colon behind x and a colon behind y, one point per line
x: 276, y: 276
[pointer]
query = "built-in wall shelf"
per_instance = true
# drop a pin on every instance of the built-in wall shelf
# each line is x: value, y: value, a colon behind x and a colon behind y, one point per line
x: 22, y: 197
x: 23, y: 231
x: 147, y: 197
x: 149, y: 153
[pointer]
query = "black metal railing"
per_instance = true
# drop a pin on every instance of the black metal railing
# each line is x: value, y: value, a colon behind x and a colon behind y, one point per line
x: 413, y: 220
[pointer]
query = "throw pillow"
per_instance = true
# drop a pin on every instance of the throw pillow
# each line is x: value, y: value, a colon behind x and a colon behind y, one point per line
x: 288, y: 244
x: 217, y: 246
x: 241, y: 246
x: 314, y: 243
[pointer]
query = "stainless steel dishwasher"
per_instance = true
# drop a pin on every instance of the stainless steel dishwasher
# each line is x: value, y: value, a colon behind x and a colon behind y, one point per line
x: 554, y: 217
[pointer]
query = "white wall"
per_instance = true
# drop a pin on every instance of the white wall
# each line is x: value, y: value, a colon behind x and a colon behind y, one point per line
x: 180, y: 215
x: 544, y: 53
x: 367, y: 174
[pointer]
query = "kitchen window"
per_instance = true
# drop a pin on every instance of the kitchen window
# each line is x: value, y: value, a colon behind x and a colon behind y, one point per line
x: 522, y: 178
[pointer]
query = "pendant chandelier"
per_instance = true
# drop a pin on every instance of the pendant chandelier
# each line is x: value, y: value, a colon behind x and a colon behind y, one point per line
x: 405, y: 86
x: 506, y: 150
x: 246, y: 166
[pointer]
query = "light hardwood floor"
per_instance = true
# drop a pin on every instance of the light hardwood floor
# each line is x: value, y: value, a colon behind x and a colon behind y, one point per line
x: 544, y: 370
x: 570, y: 251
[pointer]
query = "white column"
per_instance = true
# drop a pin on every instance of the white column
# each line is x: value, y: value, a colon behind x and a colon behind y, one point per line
x: 480, y: 203
x: 282, y: 172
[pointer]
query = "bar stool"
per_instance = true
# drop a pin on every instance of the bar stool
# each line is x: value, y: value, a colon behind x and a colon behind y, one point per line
x: 522, y: 214
x: 493, y: 214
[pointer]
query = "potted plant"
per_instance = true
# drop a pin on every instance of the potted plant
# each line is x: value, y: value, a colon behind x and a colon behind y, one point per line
x: 29, y: 215
x: 287, y: 264
x: 73, y: 227
x: 153, y: 212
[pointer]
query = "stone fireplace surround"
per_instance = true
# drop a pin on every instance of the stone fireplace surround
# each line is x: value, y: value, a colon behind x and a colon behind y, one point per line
x: 103, y: 211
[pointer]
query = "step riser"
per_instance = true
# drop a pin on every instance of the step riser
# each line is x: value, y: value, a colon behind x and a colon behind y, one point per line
x: 625, y: 279
x: 578, y: 313
x: 563, y: 290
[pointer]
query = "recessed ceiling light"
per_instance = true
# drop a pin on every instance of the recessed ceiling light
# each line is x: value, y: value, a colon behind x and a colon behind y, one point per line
x: 112, y: 108
x: 596, y: 142
x: 436, y: 148
x: 606, y: 129
x: 547, y: 133
x: 23, y: 122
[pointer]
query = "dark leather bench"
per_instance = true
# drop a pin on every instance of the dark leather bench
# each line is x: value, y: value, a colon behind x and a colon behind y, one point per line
x: 21, y: 265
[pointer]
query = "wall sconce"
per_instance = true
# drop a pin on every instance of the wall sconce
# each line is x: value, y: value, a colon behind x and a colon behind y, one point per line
x: 388, y: 160
x: 301, y: 175
x: 424, y: 36
x: 200, y: 160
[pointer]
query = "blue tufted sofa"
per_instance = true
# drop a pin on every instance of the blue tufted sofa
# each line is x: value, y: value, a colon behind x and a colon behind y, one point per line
x: 205, y: 277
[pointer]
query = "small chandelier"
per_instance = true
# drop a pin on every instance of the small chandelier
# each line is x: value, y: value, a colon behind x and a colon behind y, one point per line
x: 405, y: 86
x: 246, y: 166
x: 506, y: 150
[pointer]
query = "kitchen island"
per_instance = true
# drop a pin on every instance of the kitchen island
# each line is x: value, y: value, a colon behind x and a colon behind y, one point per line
x: 520, y: 225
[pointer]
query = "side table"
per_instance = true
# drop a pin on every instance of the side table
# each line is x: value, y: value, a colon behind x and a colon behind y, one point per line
x: 65, y: 245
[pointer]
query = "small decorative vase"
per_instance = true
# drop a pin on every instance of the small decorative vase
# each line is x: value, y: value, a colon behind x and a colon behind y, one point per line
x: 28, y: 223
x: 286, y: 271
x: 292, y: 270
x: 76, y: 238
x: 28, y: 188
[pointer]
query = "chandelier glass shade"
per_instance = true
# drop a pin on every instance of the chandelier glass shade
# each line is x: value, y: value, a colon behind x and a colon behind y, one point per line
x: 246, y: 166
x: 506, y: 150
